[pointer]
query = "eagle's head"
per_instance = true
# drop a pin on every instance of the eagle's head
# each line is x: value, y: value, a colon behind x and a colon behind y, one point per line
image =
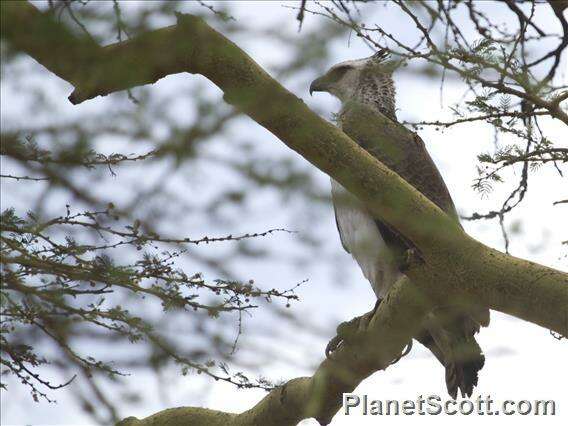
x: 367, y: 80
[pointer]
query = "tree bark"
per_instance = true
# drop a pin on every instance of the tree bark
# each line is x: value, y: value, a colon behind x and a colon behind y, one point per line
x: 456, y: 267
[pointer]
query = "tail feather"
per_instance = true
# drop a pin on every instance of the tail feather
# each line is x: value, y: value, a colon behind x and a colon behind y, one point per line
x: 462, y: 375
x: 453, y: 343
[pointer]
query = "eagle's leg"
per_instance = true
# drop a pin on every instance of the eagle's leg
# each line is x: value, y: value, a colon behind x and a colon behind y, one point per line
x: 347, y: 330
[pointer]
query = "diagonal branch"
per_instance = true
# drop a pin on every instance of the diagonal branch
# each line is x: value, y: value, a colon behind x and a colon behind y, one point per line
x: 457, y: 268
x: 192, y: 46
x: 320, y: 395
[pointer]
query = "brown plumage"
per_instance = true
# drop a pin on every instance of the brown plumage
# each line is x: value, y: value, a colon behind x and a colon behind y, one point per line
x: 366, y: 90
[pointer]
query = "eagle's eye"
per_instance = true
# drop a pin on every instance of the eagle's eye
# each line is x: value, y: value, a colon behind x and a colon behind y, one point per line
x: 337, y: 73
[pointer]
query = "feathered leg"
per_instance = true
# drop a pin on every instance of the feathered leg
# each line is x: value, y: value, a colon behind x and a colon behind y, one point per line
x: 450, y: 337
x: 347, y: 330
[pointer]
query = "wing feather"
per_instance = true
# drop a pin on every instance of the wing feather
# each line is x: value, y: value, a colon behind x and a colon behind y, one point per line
x: 341, y: 237
x: 405, y: 153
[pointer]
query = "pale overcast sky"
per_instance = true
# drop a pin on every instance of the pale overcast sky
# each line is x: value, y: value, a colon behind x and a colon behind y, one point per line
x: 523, y: 361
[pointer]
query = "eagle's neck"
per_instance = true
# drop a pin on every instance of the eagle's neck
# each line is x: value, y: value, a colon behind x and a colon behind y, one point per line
x: 378, y: 92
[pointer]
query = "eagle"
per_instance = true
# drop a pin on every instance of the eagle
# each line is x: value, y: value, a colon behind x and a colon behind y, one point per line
x: 366, y: 90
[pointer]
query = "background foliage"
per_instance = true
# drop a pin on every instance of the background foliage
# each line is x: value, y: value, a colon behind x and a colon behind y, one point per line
x: 141, y: 222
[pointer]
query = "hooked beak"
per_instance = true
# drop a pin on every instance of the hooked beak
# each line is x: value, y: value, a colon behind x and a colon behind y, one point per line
x: 318, y: 85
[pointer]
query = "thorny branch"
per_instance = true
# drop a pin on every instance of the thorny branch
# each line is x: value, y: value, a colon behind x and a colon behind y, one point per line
x: 35, y: 253
x: 508, y: 89
x: 56, y: 283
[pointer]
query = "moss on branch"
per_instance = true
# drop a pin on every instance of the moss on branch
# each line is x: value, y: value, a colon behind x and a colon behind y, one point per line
x: 457, y: 268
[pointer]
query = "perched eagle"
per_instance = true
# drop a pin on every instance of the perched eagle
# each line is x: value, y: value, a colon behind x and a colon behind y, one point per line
x: 366, y: 90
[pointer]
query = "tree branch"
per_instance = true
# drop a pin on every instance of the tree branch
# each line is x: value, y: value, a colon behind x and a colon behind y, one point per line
x: 320, y: 395
x: 456, y: 267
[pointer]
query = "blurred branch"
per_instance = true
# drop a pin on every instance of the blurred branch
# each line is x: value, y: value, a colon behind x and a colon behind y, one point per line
x: 57, y: 41
x: 29, y: 152
x: 246, y: 85
x: 83, y: 63
x: 59, y: 286
x: 558, y: 6
x: 34, y: 179
x: 320, y: 396
x: 494, y: 61
x: 451, y: 258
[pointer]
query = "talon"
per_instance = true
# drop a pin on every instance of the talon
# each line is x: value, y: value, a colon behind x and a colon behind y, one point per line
x: 347, y: 330
x: 406, y: 351
x: 332, y: 346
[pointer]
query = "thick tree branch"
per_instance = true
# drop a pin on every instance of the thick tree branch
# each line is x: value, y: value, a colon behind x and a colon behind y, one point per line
x: 456, y: 267
x: 320, y: 395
